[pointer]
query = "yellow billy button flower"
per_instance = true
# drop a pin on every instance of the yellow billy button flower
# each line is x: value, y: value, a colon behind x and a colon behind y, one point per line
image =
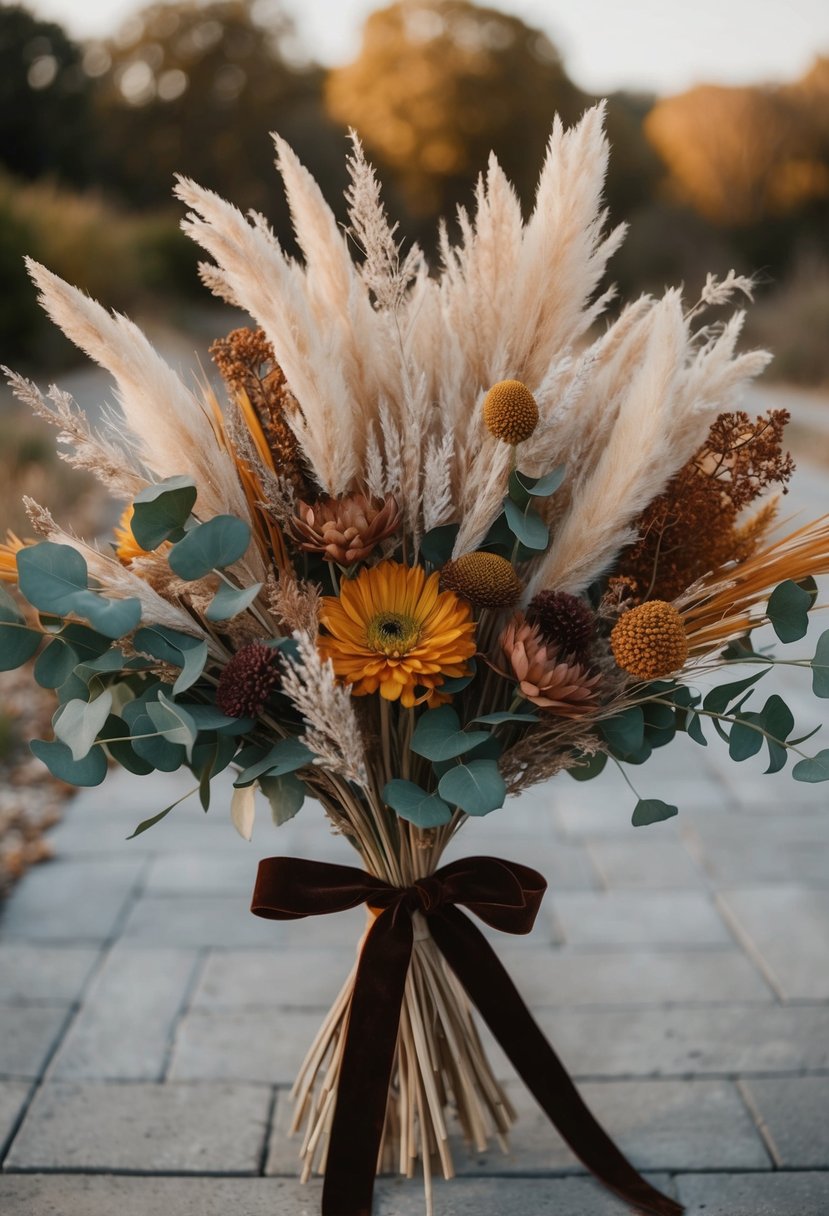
x: 649, y: 641
x: 392, y: 630
x: 510, y: 411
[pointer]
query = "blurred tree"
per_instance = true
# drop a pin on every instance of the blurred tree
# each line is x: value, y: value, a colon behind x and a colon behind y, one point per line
x: 196, y: 88
x: 739, y: 156
x: 44, y: 99
x: 437, y: 84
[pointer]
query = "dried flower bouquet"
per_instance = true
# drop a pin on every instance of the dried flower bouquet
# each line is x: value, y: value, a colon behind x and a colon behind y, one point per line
x: 440, y: 544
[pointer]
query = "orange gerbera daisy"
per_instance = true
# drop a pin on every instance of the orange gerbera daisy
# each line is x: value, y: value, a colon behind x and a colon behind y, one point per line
x: 392, y: 629
x: 8, y: 557
x: 126, y: 546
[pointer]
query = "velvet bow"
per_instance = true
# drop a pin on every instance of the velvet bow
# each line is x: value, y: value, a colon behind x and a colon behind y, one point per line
x: 506, y: 896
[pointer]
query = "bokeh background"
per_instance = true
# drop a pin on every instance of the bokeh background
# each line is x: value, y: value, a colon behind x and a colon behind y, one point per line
x: 718, y: 114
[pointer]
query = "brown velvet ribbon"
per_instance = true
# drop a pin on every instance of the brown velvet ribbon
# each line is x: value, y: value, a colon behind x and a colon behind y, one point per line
x: 504, y: 895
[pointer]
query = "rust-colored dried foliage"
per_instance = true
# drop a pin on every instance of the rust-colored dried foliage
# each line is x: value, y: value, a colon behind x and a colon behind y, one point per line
x: 694, y: 526
x: 247, y: 364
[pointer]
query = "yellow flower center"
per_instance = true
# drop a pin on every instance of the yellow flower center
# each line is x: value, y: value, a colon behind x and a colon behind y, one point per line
x: 392, y: 633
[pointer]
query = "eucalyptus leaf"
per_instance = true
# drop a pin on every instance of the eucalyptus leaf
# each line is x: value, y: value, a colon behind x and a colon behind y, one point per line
x: 745, y: 740
x: 173, y: 722
x: 820, y: 667
x: 285, y: 794
x: 230, y: 601
x: 148, y: 743
x: 526, y: 526
x: 719, y: 698
x: 625, y: 732
x: 17, y: 645
x: 694, y: 729
x: 160, y: 511
x: 180, y: 649
x: 505, y: 716
x: 438, y: 735
x: 284, y: 757
x: 148, y: 823
x: 476, y: 787
x: 415, y: 804
x: 437, y: 544
x: 588, y: 767
x: 77, y: 723
x: 54, y: 578
x: 115, y: 734
x: 813, y: 768
x: 788, y: 611
x: 210, y: 546
x: 652, y: 810
x: 58, y: 759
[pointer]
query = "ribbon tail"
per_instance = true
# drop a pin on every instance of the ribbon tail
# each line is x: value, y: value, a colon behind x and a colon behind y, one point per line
x: 489, y: 986
x: 367, y: 1063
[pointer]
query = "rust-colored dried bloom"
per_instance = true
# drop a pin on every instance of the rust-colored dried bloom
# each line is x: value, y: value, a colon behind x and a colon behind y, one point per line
x: 510, y: 411
x: 649, y: 642
x: 344, y: 530
x: 247, y: 681
x: 565, y: 621
x: 694, y: 525
x: 485, y: 579
x: 248, y: 366
x: 550, y: 681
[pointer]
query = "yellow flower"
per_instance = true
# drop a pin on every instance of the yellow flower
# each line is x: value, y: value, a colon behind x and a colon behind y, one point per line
x: 126, y: 546
x: 8, y: 557
x: 393, y: 630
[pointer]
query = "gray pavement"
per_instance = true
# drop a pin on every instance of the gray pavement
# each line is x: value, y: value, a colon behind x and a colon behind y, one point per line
x: 150, y: 1026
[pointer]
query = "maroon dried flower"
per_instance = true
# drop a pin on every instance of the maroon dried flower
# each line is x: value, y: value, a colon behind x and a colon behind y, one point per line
x: 247, y: 681
x: 564, y: 621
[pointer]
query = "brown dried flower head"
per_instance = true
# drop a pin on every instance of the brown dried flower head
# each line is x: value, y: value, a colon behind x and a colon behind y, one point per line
x: 247, y: 681
x: 694, y: 525
x: 485, y: 579
x: 510, y: 411
x: 247, y: 364
x: 344, y: 530
x: 649, y: 641
x: 550, y: 681
x: 565, y: 621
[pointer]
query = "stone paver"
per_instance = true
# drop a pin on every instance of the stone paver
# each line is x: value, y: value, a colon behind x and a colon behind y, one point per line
x: 246, y: 1045
x: 196, y: 921
x: 28, y: 1034
x: 794, y: 1115
x: 634, y: 977
x: 287, y: 978
x: 769, y: 920
x: 644, y: 864
x: 636, y: 918
x: 71, y: 1195
x: 72, y: 901
x: 125, y: 1026
x: 799, y: 1194
x: 659, y: 1125
x: 54, y: 974
x: 186, y: 1129
x: 13, y: 1095
x: 689, y: 1041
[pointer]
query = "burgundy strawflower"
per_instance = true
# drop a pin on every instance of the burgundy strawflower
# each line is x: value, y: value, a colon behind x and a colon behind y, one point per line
x: 247, y: 681
x: 564, y: 621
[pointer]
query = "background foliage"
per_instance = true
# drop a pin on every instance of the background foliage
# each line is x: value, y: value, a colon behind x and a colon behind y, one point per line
x: 91, y: 135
